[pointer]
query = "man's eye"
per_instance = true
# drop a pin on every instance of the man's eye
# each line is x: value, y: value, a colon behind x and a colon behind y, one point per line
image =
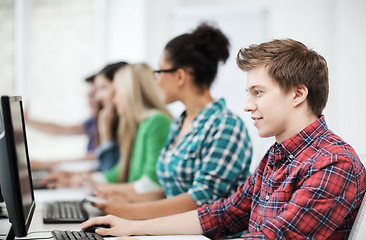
x: 258, y: 92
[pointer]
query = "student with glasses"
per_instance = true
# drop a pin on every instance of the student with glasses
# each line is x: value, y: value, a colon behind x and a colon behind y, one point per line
x: 208, y: 151
x: 309, y: 185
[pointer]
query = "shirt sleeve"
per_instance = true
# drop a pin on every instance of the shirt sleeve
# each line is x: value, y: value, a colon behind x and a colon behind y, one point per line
x: 145, y: 185
x: 228, y: 216
x: 108, y: 155
x: 226, y: 153
x: 111, y: 175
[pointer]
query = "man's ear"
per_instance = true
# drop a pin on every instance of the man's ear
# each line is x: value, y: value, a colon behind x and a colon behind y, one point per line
x: 300, y: 94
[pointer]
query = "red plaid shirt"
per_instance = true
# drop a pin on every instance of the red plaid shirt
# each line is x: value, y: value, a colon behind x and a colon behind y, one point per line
x: 308, y: 187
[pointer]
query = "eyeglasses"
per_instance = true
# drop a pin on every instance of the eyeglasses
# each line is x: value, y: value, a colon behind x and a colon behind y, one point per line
x: 157, y: 72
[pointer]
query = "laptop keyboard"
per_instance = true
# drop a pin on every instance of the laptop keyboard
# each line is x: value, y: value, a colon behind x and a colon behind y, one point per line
x: 65, y: 212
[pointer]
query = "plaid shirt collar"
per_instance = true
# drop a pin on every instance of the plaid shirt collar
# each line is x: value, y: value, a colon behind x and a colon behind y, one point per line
x: 204, y: 114
x: 289, y: 149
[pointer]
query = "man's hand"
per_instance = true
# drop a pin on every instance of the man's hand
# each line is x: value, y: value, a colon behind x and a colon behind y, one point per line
x: 118, y: 227
x: 40, y: 165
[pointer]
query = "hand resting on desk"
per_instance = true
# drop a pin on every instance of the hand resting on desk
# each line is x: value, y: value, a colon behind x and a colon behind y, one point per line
x: 179, y: 224
x: 113, y: 222
x: 62, y: 179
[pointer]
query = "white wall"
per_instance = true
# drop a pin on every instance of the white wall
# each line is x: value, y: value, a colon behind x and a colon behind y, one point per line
x: 6, y: 46
x: 138, y: 30
x: 54, y: 53
x: 335, y: 29
x: 349, y: 98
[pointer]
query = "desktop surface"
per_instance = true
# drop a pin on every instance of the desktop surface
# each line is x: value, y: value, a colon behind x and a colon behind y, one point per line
x: 72, y: 194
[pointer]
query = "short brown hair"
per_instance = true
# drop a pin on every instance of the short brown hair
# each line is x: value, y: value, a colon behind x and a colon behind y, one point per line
x: 290, y: 64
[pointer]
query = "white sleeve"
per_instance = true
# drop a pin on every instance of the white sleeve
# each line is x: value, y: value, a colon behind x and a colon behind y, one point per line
x: 98, y: 177
x: 145, y: 185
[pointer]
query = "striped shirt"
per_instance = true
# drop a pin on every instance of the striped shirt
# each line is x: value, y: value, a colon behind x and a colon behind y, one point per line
x: 212, y: 160
x: 308, y: 187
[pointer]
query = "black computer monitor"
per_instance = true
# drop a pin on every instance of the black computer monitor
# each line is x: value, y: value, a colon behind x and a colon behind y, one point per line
x: 3, y: 213
x: 1, y: 196
x: 15, y: 172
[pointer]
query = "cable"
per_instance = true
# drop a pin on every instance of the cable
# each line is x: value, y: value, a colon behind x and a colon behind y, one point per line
x: 35, y: 238
x: 39, y: 232
x: 4, y: 235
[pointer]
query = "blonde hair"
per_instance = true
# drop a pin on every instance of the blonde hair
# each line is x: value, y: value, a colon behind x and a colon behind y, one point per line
x: 142, y: 98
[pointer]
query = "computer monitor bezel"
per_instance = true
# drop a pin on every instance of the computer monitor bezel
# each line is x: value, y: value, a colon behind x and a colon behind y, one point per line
x: 9, y: 171
x: 3, y: 213
x: 1, y: 196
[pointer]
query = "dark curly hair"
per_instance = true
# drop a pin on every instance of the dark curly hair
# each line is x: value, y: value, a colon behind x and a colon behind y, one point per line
x: 199, y: 51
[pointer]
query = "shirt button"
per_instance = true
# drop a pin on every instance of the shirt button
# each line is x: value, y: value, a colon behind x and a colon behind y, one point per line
x: 258, y: 229
x: 267, y: 197
x: 291, y: 156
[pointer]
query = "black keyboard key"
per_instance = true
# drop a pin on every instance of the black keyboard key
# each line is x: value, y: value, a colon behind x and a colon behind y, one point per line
x: 75, y: 235
x: 65, y: 212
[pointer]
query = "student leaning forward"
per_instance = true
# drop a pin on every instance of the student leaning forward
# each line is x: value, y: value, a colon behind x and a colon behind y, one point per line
x: 310, y: 183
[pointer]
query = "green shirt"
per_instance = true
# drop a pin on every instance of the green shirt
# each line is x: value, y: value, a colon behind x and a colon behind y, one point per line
x: 150, y: 137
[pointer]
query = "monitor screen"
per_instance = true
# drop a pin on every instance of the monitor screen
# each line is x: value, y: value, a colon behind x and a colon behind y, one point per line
x: 15, y: 174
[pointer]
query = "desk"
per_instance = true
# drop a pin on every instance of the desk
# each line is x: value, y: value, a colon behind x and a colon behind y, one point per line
x: 49, y: 195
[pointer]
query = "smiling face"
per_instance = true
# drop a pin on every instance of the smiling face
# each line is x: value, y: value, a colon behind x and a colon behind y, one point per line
x: 269, y: 106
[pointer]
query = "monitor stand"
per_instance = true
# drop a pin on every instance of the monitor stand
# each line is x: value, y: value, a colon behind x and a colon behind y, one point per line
x: 3, y: 213
x: 11, y: 234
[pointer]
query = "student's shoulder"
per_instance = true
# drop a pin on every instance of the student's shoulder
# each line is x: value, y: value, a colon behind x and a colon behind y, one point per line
x: 336, y: 151
x: 226, y: 116
x: 330, y: 143
x: 157, y: 118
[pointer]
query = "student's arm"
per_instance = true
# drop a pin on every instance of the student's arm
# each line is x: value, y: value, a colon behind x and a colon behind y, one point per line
x: 41, y: 165
x: 134, y: 197
x: 57, y: 129
x: 185, y: 223
x: 147, y: 210
x: 127, y: 191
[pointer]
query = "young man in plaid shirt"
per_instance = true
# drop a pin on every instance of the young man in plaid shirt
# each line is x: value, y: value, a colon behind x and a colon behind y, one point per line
x: 310, y: 183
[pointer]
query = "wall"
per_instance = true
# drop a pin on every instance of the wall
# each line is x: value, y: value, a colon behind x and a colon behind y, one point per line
x: 84, y: 35
x: 349, y: 98
x: 335, y: 29
x: 6, y: 47
x: 58, y: 55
